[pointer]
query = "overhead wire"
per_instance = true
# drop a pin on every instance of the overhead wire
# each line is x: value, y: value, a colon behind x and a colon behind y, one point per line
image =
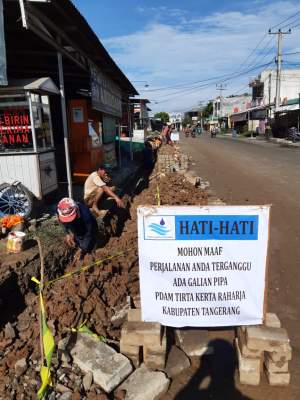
x: 187, y: 88
x: 174, y: 95
x: 287, y: 19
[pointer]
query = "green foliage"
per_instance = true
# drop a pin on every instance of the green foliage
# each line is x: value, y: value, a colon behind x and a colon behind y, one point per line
x: 208, y: 110
x: 187, y: 120
x: 163, y: 116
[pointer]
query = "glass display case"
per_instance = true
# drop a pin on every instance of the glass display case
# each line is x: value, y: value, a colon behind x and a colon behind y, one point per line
x: 27, y: 153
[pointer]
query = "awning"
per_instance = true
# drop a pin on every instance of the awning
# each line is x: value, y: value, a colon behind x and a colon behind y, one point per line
x: 291, y: 107
x: 239, y: 117
x: 41, y: 85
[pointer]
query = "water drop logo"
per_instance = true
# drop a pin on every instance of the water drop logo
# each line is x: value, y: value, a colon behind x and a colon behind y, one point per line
x: 160, y: 229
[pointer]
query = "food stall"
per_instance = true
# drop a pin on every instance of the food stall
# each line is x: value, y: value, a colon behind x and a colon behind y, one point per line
x: 27, y: 153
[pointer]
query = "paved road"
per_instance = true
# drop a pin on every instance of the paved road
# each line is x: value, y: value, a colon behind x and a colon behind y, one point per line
x: 243, y: 173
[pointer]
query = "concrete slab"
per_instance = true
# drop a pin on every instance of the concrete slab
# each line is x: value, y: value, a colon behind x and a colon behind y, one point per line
x: 108, y: 367
x: 194, y: 342
x: 144, y: 384
x: 177, y: 362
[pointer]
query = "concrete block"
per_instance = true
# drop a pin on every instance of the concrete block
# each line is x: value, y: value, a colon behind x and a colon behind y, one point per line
x: 284, y: 355
x: 160, y: 347
x: 134, y: 314
x: 246, y: 363
x: 272, y: 321
x: 276, y: 367
x: 154, y: 360
x: 246, y: 352
x: 177, y: 362
x: 264, y: 338
x: 138, y: 333
x: 249, y: 378
x: 144, y: 384
x: 278, y: 379
x: 194, y: 342
x: 132, y: 352
x: 108, y: 367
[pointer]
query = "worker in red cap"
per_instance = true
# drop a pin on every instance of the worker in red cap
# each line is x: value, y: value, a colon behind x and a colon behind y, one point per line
x: 80, y: 226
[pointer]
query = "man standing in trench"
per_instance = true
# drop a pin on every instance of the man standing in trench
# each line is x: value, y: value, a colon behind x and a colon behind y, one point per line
x: 96, y: 187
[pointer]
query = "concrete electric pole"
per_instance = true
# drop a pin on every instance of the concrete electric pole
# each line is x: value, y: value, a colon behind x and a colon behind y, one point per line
x: 279, y: 34
x: 221, y: 87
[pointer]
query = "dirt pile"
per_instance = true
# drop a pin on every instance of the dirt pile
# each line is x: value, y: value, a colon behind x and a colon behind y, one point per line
x: 96, y: 296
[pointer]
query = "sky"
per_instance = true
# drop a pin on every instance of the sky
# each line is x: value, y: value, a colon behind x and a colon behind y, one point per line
x: 182, y: 49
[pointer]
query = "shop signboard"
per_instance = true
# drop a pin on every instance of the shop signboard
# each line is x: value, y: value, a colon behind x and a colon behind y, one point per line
x: 203, y: 266
x: 109, y: 129
x: 106, y: 95
x: 3, y: 77
x: 15, y: 129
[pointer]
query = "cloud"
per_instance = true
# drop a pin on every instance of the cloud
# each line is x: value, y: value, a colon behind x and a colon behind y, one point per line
x: 166, y: 53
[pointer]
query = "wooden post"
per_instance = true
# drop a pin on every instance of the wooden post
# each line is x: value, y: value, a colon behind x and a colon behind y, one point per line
x: 42, y: 271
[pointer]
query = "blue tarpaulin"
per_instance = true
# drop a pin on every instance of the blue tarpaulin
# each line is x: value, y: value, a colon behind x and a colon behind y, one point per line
x: 3, y: 76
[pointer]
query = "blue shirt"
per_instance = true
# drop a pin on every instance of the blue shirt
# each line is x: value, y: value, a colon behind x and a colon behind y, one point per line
x: 84, y: 228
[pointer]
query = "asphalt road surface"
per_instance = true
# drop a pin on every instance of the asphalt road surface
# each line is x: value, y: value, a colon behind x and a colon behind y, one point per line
x: 264, y: 173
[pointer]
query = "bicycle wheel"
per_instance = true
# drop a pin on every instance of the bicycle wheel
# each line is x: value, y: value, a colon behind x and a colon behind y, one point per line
x: 15, y: 199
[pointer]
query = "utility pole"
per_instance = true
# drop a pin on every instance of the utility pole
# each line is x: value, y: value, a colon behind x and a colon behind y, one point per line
x: 279, y: 34
x: 269, y: 94
x: 221, y: 87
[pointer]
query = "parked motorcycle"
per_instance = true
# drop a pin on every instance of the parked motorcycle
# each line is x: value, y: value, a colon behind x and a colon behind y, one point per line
x: 293, y: 134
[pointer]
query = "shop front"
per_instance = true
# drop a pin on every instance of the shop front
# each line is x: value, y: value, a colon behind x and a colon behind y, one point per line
x: 27, y: 154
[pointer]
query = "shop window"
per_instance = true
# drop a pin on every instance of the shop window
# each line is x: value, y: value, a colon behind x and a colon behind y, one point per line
x: 42, y: 121
x: 15, y: 126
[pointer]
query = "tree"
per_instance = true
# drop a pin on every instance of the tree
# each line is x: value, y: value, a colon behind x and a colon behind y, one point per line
x: 187, y: 120
x: 208, y: 110
x: 163, y: 116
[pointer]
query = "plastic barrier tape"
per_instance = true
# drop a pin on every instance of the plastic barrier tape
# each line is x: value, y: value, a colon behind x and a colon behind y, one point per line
x: 157, y: 196
x: 84, y: 329
x: 85, y: 268
x: 48, y: 345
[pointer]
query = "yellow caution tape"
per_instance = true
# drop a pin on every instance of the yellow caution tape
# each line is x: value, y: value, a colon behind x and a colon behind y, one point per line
x: 48, y: 340
x: 46, y: 381
x: 157, y: 196
x: 85, y: 268
x: 48, y: 345
x: 84, y: 329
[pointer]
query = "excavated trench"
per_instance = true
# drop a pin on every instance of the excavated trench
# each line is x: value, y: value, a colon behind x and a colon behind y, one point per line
x: 96, y: 296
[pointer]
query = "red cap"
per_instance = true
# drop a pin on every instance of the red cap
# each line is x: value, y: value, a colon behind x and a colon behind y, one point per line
x: 67, y: 210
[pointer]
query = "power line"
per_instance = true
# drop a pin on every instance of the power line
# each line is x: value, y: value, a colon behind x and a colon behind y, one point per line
x: 173, y: 95
x: 296, y: 26
x: 287, y: 19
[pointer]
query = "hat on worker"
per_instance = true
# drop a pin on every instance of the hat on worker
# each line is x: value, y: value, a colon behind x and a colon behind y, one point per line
x: 67, y: 209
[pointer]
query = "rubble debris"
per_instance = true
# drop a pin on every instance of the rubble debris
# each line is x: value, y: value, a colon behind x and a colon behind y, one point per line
x: 108, y: 367
x: 194, y: 342
x: 177, y: 362
x: 145, y: 384
x: 20, y: 367
x: 9, y: 332
x: 87, y: 381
